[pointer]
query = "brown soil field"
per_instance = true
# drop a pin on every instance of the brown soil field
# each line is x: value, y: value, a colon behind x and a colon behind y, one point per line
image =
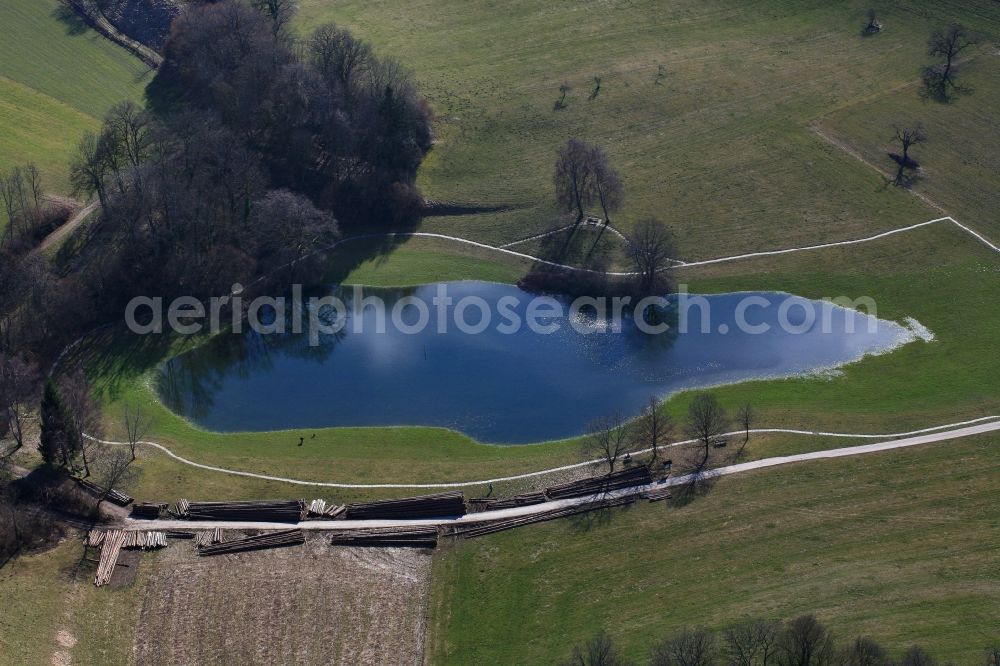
x: 312, y: 604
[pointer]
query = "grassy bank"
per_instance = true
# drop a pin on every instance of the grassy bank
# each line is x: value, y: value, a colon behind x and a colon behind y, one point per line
x: 898, y: 546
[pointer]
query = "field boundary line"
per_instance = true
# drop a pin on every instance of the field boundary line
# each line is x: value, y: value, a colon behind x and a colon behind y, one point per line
x: 544, y: 472
x: 677, y: 262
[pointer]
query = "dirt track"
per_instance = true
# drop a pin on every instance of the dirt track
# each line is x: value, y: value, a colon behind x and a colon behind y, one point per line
x: 315, y: 604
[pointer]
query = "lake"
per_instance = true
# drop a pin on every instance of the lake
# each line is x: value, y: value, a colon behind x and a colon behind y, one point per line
x: 505, y: 384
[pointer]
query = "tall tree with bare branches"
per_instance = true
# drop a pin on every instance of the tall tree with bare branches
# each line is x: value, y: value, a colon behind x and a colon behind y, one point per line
x: 137, y: 424
x: 20, y: 391
x: 608, y: 438
x: 573, y: 178
x: 84, y: 414
x: 907, y: 136
x: 654, y: 428
x: 706, y: 422
x: 946, y: 44
x: 114, y: 471
x: 651, y: 246
x: 606, y: 183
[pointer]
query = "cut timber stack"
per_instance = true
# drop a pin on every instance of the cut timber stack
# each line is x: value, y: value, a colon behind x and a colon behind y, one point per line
x: 494, y: 526
x: 147, y: 510
x: 426, y: 506
x: 481, y: 504
x: 259, y: 542
x: 208, y: 537
x: 182, y: 508
x: 113, y: 496
x: 111, y: 546
x: 320, y: 509
x: 141, y: 539
x: 625, y: 478
x: 272, y: 511
x: 412, y: 537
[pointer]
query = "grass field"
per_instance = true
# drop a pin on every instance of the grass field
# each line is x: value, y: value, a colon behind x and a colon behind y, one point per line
x: 720, y: 147
x: 899, y: 546
x: 962, y: 156
x: 57, y: 79
x: 52, y: 611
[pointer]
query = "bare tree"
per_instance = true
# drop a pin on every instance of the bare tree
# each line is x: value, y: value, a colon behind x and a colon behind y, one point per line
x: 606, y: 183
x: 753, y: 643
x: 599, y: 651
x: 573, y: 175
x: 746, y: 416
x: 83, y: 413
x: 916, y: 656
x: 137, y: 424
x: 806, y: 642
x: 33, y: 177
x: 651, y: 247
x: 947, y: 44
x: 342, y: 58
x: 561, y: 102
x: 114, y: 471
x: 280, y: 12
x: 12, y: 191
x: 864, y: 651
x: 688, y: 647
x: 654, y: 428
x: 20, y: 391
x: 608, y: 438
x: 907, y: 136
x: 706, y: 422
x: 89, y: 170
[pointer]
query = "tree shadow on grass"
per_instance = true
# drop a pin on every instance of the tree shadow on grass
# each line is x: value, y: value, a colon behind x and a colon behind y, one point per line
x: 74, y: 23
x: 583, y: 523
x: 698, y: 486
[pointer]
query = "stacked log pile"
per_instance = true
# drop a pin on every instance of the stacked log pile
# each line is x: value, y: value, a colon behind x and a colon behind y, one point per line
x: 413, y: 537
x: 480, y: 504
x: 491, y: 527
x: 147, y: 510
x: 112, y: 542
x: 113, y: 496
x: 625, y: 478
x: 275, y: 511
x: 177, y: 534
x: 281, y: 539
x: 426, y: 506
x: 208, y: 537
x: 140, y: 539
x: 320, y: 509
x: 111, y: 546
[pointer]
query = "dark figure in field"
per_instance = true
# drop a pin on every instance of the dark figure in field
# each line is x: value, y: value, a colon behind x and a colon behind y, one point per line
x: 301, y: 439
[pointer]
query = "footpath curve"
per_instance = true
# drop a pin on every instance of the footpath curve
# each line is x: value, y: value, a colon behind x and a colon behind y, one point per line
x: 678, y: 264
x: 986, y: 423
x: 728, y: 470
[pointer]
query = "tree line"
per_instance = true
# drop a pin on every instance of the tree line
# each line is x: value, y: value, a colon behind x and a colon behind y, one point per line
x: 804, y: 641
x: 613, y: 438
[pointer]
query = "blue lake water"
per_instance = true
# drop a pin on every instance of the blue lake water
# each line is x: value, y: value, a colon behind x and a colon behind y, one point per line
x: 504, y: 385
